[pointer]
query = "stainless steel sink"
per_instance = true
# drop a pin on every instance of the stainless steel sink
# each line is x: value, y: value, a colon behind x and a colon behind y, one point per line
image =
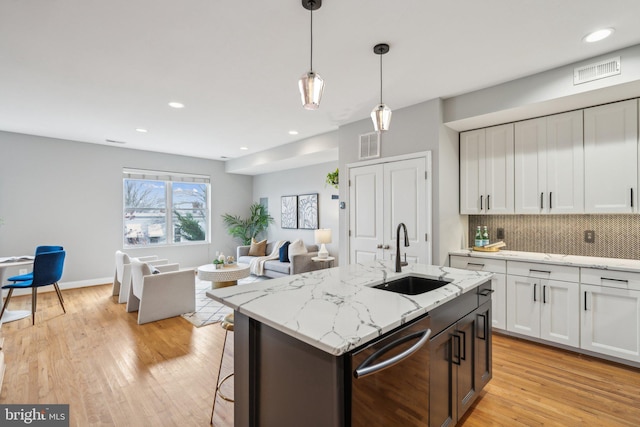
x: 411, y: 285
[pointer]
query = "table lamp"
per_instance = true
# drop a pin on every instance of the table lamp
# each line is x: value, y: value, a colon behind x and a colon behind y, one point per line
x: 322, y: 236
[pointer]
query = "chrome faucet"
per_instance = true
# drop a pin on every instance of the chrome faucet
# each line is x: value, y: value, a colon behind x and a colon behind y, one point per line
x: 399, y: 263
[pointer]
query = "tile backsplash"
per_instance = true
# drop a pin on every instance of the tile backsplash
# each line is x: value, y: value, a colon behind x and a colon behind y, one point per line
x: 616, y: 236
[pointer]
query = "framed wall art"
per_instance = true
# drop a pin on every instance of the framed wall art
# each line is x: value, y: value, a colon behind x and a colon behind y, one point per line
x: 308, y: 211
x: 289, y: 212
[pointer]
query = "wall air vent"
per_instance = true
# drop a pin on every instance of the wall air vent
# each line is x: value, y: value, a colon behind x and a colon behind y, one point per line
x: 597, y: 70
x: 369, y: 146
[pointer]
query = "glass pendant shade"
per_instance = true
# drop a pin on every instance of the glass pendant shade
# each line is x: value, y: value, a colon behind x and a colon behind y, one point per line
x: 311, y: 87
x: 381, y: 116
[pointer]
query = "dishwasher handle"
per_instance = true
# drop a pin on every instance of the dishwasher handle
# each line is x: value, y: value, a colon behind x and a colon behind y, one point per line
x: 364, y: 369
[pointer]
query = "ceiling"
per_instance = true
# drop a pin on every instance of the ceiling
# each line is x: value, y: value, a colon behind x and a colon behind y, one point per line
x: 94, y: 70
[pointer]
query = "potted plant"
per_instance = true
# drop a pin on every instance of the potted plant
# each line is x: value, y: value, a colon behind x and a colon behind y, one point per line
x: 332, y: 178
x: 246, y: 229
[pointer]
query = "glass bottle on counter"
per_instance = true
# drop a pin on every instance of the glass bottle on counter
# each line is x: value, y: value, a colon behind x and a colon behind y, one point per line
x: 485, y: 236
x: 478, y: 241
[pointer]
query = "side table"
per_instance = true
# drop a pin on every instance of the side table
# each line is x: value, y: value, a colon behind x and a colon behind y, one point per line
x: 326, y: 262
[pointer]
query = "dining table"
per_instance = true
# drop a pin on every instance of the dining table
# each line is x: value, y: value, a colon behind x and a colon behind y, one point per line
x: 6, y: 263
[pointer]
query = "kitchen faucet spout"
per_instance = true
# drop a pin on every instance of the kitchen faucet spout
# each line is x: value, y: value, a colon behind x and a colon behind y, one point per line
x: 399, y: 263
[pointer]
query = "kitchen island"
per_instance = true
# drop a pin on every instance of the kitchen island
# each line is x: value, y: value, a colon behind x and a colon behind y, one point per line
x: 295, y: 336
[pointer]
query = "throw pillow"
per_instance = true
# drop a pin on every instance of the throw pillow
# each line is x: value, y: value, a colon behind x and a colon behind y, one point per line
x: 284, y: 252
x: 258, y: 248
x: 297, y: 247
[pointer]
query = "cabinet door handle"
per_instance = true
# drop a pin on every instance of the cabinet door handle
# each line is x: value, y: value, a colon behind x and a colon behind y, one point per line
x: 541, y: 200
x: 463, y: 354
x: 585, y: 300
x: 484, y: 327
x: 488, y: 201
x: 535, y: 285
x: 481, y: 196
x: 379, y: 246
x: 455, y: 349
x: 550, y: 200
x: 544, y: 294
x: 364, y: 369
x: 631, y: 196
x: 531, y: 270
x: 486, y: 292
x: 474, y: 264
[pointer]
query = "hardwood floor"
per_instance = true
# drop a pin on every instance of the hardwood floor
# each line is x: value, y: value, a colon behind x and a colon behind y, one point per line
x: 114, y: 372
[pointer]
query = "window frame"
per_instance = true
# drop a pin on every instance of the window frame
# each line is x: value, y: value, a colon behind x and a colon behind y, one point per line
x: 170, y: 219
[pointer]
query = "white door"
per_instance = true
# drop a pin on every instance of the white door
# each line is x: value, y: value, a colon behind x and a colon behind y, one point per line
x: 611, y: 157
x: 523, y: 305
x: 381, y: 197
x: 472, y: 171
x: 498, y: 161
x: 531, y: 166
x: 559, y: 316
x: 610, y: 321
x: 405, y: 201
x: 499, y: 301
x: 565, y: 163
x: 365, y: 213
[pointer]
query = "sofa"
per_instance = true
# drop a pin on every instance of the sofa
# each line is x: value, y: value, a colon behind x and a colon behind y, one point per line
x: 300, y: 263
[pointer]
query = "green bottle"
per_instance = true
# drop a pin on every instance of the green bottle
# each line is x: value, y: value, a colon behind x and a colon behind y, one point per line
x: 478, y: 242
x: 485, y: 236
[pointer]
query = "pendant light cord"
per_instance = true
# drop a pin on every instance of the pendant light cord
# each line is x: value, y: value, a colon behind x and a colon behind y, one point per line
x: 380, y: 78
x: 312, y: 3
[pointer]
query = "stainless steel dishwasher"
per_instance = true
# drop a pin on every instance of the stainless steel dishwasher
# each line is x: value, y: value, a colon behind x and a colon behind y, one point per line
x: 390, y: 379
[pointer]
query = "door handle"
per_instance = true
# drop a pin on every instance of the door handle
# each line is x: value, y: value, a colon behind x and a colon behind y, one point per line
x: 488, y: 201
x: 585, y: 300
x: 544, y: 294
x: 481, y: 196
x: 365, y: 369
x: 454, y: 354
x: 535, y: 285
x: 386, y: 247
x: 484, y: 327
x: 550, y: 200
x: 486, y: 292
x: 379, y: 246
x: 463, y: 354
x: 541, y: 200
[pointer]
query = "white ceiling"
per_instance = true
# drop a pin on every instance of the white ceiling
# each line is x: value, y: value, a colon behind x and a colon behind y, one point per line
x: 92, y: 70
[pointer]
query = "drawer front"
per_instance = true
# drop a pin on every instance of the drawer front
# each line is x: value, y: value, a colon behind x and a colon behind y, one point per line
x: 544, y: 271
x: 610, y: 278
x: 479, y: 264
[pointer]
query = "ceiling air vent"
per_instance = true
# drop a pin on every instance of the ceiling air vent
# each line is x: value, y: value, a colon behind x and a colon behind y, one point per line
x: 597, y: 70
x: 369, y: 146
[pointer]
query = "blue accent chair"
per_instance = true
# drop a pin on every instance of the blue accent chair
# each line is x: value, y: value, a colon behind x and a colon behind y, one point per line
x: 47, y: 270
x: 29, y: 276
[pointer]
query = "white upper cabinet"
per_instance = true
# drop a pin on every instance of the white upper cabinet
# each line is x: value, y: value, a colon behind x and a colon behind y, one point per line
x: 549, y: 172
x: 486, y: 171
x: 611, y: 158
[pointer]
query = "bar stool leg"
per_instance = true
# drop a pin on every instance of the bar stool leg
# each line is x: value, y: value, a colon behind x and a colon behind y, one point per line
x: 220, y: 382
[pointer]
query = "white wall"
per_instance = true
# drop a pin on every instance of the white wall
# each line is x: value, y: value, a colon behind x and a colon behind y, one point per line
x: 69, y: 193
x: 310, y: 179
x: 413, y: 129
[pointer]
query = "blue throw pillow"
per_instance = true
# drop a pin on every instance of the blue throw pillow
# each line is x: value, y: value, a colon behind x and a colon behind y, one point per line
x: 284, y: 252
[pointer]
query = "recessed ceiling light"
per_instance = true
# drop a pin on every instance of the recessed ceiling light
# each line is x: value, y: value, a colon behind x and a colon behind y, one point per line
x: 243, y: 148
x: 598, y: 35
x: 293, y: 132
x: 176, y: 105
x: 141, y: 130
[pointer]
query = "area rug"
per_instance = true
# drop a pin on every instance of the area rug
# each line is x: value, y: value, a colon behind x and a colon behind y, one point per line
x: 209, y: 311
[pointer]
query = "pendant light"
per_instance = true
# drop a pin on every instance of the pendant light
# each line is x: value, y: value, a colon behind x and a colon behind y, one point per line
x: 381, y: 114
x: 311, y: 84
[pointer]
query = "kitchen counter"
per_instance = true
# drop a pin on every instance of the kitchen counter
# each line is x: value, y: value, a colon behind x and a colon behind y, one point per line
x: 336, y: 310
x: 630, y: 265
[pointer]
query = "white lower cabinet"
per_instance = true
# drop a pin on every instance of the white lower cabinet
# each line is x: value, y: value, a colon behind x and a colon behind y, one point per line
x: 542, y: 308
x: 543, y: 301
x: 610, y: 313
x: 498, y: 283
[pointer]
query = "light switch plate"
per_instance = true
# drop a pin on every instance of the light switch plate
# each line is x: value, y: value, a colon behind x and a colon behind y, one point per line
x: 589, y: 236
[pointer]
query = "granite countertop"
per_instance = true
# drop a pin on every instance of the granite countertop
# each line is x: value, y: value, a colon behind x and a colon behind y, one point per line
x: 618, y: 264
x: 336, y: 310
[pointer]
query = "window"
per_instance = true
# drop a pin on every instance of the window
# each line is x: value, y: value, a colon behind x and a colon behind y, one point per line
x: 162, y: 208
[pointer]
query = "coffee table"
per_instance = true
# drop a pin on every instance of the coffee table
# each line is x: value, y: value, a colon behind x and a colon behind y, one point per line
x: 223, y: 277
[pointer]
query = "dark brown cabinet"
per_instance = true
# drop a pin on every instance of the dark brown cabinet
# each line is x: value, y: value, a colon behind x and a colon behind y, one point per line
x: 460, y: 361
